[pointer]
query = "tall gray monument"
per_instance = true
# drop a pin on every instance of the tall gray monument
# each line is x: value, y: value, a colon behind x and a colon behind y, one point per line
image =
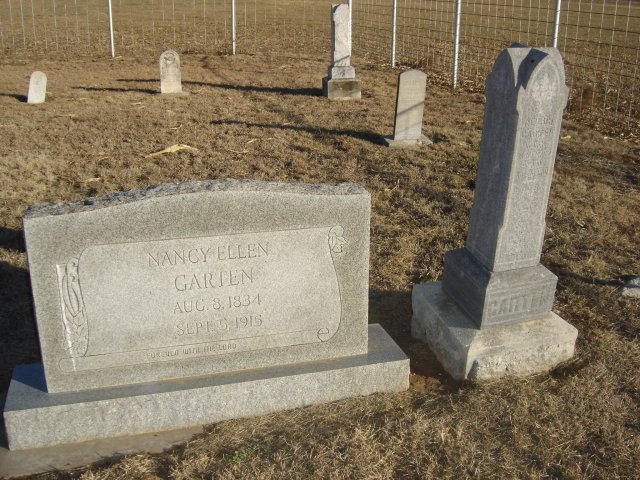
x: 170, y: 75
x: 156, y: 304
x: 491, y: 314
x: 407, y: 127
x: 37, y: 87
x: 341, y: 82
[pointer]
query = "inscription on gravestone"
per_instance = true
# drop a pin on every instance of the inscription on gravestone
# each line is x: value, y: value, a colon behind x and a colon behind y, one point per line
x: 496, y: 281
x: 202, y: 296
x: 407, y: 128
x: 37, y: 87
x: 170, y: 76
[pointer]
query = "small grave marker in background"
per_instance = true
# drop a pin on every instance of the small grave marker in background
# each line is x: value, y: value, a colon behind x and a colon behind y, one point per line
x: 407, y: 127
x: 491, y: 314
x: 170, y: 76
x: 37, y: 87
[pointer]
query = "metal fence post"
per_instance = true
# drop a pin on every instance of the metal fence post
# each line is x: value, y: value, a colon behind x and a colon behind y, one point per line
x: 393, y: 33
x: 456, y: 44
x: 113, y: 48
x: 556, y: 24
x: 233, y: 27
x: 350, y: 23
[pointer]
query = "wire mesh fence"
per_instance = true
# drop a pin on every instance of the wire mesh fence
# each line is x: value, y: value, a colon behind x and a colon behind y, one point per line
x: 599, y: 39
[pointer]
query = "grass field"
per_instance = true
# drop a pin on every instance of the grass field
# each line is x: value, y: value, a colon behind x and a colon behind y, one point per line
x: 262, y: 117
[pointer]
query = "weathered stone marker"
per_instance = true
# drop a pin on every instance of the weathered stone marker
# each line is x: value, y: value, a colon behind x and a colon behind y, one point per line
x: 491, y: 314
x: 170, y: 75
x: 407, y: 127
x: 250, y: 296
x: 341, y: 82
x: 37, y: 87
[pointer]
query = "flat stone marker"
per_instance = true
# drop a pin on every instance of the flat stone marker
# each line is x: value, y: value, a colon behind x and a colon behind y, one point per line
x: 407, y: 127
x: 37, y: 87
x: 147, y: 295
x: 170, y: 76
x: 341, y: 82
x: 491, y: 314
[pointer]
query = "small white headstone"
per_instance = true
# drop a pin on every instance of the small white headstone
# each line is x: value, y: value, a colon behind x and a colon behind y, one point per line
x: 37, y: 87
x: 407, y: 130
x: 170, y: 77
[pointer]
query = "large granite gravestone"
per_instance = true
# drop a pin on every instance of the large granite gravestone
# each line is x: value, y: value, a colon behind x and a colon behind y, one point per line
x: 491, y: 314
x: 170, y: 75
x: 158, y: 304
x: 407, y: 126
x: 341, y: 82
x: 37, y: 87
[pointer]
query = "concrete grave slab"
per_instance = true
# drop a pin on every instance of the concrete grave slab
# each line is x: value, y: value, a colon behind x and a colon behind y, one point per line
x: 35, y: 419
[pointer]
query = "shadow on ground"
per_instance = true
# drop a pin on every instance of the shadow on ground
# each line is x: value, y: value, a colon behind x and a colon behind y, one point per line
x: 374, y: 138
x: 11, y: 239
x: 392, y: 310
x: 121, y: 90
x: 18, y: 344
x: 20, y: 98
x: 309, y: 92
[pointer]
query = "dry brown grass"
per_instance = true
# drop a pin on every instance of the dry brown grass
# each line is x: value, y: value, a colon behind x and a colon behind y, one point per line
x: 260, y: 117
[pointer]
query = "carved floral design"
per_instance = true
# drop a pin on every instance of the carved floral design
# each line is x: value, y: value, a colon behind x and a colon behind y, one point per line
x: 74, y: 317
x: 336, y: 239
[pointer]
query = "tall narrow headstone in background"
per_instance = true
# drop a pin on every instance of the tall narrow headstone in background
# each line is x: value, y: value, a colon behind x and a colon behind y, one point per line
x: 341, y: 82
x: 170, y: 76
x: 500, y: 321
x: 37, y: 87
x: 407, y: 127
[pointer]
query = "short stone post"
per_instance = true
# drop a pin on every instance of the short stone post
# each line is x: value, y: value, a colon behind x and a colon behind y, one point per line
x: 407, y: 127
x: 170, y: 76
x: 491, y: 314
x: 37, y: 87
x: 341, y: 82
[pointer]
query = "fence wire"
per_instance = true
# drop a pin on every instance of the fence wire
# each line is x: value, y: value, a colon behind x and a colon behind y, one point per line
x: 599, y: 39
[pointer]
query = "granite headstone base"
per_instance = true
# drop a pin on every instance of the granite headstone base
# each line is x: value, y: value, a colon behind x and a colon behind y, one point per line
x: 491, y: 298
x: 14, y: 463
x: 468, y: 353
x: 421, y: 141
x: 34, y: 418
x: 341, y: 88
